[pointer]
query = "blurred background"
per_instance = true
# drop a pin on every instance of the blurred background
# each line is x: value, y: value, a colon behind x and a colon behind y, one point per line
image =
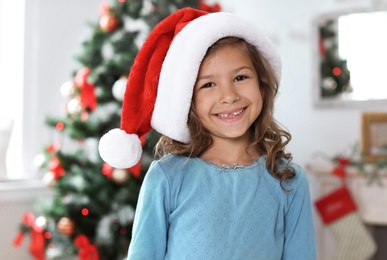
x: 327, y: 48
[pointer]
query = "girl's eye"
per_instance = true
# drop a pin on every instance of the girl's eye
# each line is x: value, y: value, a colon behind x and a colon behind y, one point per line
x: 208, y: 85
x: 241, y: 77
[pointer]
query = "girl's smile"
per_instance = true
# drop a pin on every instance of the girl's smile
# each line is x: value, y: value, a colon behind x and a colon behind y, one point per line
x: 227, y: 97
x: 232, y: 114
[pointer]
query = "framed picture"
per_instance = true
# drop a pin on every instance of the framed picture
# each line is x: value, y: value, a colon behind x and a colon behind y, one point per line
x: 374, y: 136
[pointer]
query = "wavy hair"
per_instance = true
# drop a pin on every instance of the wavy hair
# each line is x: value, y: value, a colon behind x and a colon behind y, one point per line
x: 266, y: 134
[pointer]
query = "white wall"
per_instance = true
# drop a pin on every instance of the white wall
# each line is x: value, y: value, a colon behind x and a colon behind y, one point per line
x: 56, y: 28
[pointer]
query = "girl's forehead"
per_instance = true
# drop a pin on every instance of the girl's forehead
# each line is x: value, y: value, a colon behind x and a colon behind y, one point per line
x: 225, y: 49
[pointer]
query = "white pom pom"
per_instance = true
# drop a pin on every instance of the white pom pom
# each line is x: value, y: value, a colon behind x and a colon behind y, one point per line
x: 120, y: 149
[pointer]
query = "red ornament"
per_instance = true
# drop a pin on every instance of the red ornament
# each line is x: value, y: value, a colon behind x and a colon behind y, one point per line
x: 104, y: 8
x: 87, y: 251
x: 53, y: 148
x: 340, y: 170
x: 343, y: 161
x: 108, y: 23
x: 88, y: 96
x: 47, y: 235
x: 56, y: 167
x: 107, y: 170
x: 36, y: 246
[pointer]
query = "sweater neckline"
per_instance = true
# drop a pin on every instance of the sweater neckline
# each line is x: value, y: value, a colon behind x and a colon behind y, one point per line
x: 236, y: 167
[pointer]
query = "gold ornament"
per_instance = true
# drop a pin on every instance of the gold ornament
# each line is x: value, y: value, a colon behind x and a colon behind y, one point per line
x: 108, y: 23
x: 66, y: 226
x: 120, y: 176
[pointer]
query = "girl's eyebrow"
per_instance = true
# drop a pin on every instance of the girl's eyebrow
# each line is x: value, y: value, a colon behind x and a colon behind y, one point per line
x: 233, y: 71
x: 242, y: 68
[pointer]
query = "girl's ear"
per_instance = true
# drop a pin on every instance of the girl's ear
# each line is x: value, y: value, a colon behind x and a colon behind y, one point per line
x: 263, y: 92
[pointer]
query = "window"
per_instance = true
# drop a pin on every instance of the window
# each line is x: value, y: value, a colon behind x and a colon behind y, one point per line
x: 38, y: 42
x: 11, y: 82
x: 363, y: 41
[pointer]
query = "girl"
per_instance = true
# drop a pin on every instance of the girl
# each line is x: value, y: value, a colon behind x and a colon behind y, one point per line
x: 224, y: 188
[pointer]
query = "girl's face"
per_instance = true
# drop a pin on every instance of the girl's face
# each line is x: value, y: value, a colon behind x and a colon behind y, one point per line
x: 227, y: 96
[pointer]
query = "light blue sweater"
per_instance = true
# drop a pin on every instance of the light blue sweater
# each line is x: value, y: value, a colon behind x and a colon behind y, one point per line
x: 189, y: 208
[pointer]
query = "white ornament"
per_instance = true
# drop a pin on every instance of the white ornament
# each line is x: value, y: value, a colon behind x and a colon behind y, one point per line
x: 107, y: 51
x: 104, y: 230
x: 329, y: 83
x: 77, y: 182
x: 49, y: 179
x: 147, y: 8
x: 125, y: 215
x: 39, y: 160
x: 41, y: 222
x: 67, y: 89
x: 120, y: 176
x: 74, y: 106
x: 138, y: 25
x: 54, y: 252
x: 119, y: 88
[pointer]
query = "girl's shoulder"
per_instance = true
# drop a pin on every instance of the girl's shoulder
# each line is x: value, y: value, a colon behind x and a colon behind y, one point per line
x: 171, y: 164
x: 292, y: 185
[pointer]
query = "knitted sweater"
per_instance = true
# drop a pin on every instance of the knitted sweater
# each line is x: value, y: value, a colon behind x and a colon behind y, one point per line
x: 189, y: 208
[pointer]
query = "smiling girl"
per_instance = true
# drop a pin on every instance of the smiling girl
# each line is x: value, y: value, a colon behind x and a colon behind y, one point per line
x: 224, y: 188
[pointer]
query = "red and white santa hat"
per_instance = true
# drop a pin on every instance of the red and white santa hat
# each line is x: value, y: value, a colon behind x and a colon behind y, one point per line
x: 160, y: 84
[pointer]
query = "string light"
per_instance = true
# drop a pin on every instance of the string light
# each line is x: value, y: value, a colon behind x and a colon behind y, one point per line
x: 59, y: 126
x: 85, y: 212
x: 336, y: 71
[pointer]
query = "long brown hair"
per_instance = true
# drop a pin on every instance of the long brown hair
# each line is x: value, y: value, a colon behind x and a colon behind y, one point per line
x: 266, y: 135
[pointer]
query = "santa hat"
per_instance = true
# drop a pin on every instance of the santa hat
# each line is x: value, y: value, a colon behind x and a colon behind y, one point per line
x: 160, y: 85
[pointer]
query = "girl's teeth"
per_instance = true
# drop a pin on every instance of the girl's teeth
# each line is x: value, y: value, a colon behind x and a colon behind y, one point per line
x: 231, y: 115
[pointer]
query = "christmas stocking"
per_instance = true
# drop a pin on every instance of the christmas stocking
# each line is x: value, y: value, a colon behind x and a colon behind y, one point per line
x: 338, y: 211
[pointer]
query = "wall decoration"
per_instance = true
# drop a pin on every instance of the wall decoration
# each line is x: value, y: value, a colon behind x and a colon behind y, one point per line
x: 374, y: 136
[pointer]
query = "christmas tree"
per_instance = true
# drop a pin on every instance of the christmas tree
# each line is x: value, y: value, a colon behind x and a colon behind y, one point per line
x: 335, y: 76
x: 91, y: 211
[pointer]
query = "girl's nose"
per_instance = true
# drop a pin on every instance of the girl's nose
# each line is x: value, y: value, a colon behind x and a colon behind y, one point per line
x: 228, y: 94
